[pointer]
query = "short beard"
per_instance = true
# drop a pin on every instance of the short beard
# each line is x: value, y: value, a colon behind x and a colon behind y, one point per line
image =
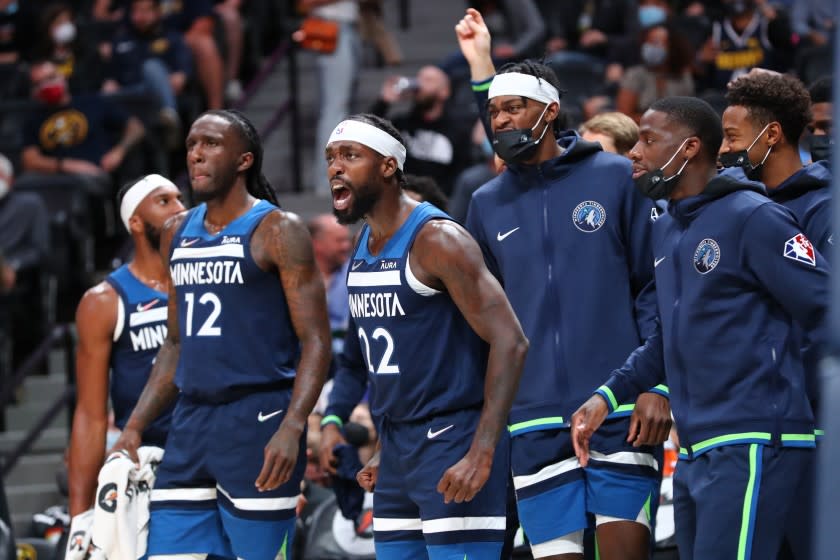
x: 363, y: 203
x: 152, y: 235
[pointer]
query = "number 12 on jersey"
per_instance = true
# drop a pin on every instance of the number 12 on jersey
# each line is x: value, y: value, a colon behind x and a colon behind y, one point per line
x: 384, y: 367
x: 208, y: 327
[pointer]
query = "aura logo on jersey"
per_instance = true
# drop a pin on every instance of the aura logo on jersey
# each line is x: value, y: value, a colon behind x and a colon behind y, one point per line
x: 589, y: 216
x: 706, y: 256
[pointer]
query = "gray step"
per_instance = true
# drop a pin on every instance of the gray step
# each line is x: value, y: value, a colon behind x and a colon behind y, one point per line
x: 43, y: 390
x: 53, y: 439
x: 35, y: 469
x: 29, y: 499
x: 23, y: 416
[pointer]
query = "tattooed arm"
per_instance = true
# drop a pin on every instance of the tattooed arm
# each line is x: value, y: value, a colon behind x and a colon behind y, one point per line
x: 160, y: 390
x: 445, y: 257
x: 282, y: 242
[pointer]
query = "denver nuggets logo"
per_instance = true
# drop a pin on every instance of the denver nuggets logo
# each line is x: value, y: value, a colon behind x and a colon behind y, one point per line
x: 589, y: 216
x: 706, y: 256
x: 107, y: 498
x: 65, y: 128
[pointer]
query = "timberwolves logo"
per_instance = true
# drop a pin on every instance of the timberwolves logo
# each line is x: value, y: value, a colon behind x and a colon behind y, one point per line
x: 107, y: 499
x: 707, y: 256
x: 589, y: 216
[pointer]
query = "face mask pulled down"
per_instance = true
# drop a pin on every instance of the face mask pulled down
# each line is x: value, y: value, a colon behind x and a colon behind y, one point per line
x: 655, y: 185
x: 517, y: 145
x: 742, y: 159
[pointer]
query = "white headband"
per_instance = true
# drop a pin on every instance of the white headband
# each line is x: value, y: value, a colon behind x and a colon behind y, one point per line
x: 524, y: 85
x: 138, y: 191
x: 368, y: 135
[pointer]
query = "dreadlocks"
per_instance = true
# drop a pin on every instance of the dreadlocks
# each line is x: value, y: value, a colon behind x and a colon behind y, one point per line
x: 255, y: 182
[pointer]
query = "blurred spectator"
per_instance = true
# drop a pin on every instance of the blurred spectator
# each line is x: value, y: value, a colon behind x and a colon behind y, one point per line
x: 374, y: 30
x: 813, y: 21
x: 24, y: 250
x: 821, y: 119
x: 425, y: 189
x: 438, y: 142
x: 150, y: 60
x: 331, y: 245
x: 745, y: 38
x: 193, y: 19
x: 69, y: 134
x: 476, y: 175
x: 337, y: 75
x: 616, y: 132
x: 598, y: 28
x: 59, y: 41
x: 24, y: 227
x: 229, y: 13
x: 665, y: 71
x: 9, y: 48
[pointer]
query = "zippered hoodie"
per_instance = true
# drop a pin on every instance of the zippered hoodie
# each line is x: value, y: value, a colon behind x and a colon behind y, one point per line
x: 569, y: 240
x: 733, y: 273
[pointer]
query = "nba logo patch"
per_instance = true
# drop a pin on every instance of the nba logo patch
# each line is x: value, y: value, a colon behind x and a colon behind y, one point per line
x: 800, y: 249
x: 589, y: 216
x: 706, y: 256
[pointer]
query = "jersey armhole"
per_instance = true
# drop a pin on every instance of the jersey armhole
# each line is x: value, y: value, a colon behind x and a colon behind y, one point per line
x: 120, y: 319
x: 415, y: 284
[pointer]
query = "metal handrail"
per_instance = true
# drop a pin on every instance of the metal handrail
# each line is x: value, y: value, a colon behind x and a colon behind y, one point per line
x: 61, y: 333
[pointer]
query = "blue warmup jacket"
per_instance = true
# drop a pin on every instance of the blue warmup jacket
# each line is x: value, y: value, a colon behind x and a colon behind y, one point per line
x: 807, y: 194
x: 734, y: 272
x: 569, y: 240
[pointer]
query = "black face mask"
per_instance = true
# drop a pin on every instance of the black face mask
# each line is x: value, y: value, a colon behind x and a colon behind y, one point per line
x: 655, y: 185
x: 517, y: 145
x: 821, y: 147
x: 742, y: 159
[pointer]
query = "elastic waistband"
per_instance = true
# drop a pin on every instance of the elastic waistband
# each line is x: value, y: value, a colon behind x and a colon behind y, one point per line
x: 388, y: 421
x: 763, y: 438
x: 236, y: 393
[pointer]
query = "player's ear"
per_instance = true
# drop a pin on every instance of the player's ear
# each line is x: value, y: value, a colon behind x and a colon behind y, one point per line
x: 389, y: 167
x: 774, y: 133
x: 135, y: 224
x: 246, y: 160
x: 692, y: 147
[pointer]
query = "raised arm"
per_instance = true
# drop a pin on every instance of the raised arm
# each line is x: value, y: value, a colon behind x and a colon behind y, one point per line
x: 284, y: 239
x: 445, y: 256
x: 96, y: 318
x: 160, y: 390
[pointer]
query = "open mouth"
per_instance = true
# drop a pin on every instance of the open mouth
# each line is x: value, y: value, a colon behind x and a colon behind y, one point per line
x: 341, y: 196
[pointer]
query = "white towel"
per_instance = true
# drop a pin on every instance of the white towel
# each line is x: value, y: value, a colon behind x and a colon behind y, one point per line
x: 79, y: 545
x: 121, y: 513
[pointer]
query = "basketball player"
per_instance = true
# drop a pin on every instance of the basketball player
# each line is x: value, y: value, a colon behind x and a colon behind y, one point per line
x: 425, y: 309
x: 121, y: 324
x: 249, y: 338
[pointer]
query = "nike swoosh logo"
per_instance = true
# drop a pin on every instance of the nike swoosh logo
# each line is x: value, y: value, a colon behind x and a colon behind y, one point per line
x: 657, y: 261
x: 141, y: 307
x: 263, y: 417
x: 356, y: 265
x: 432, y: 435
x: 185, y: 243
x: 502, y: 236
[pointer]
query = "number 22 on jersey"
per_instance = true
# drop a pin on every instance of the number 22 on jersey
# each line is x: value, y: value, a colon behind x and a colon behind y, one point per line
x: 385, y: 367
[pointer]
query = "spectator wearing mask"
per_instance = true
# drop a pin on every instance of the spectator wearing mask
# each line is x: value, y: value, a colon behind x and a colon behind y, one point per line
x: 149, y: 59
x: 665, y: 71
x: 438, y: 143
x: 69, y: 134
x: 821, y: 120
x: 59, y: 41
x: 616, y: 132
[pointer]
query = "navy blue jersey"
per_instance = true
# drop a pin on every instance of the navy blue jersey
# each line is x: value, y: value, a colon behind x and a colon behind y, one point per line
x: 235, y: 329
x: 140, y: 332
x: 423, y: 358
